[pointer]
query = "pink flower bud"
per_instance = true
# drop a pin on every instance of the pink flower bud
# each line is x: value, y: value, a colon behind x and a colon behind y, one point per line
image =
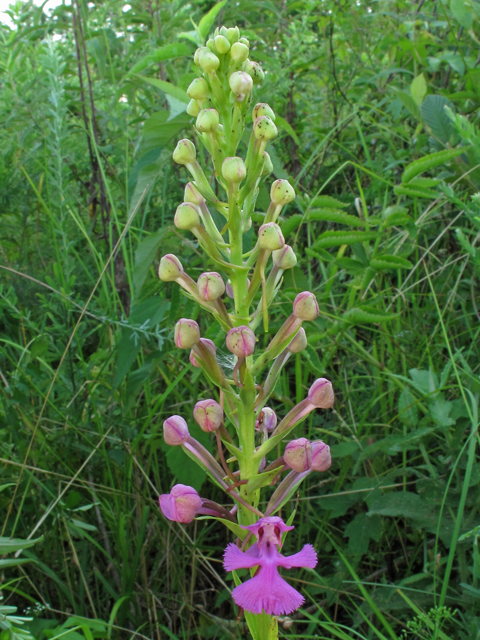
x: 284, y: 258
x: 321, y: 394
x: 240, y: 83
x: 234, y: 169
x: 298, y: 455
x: 184, y: 152
x: 210, y: 286
x: 170, y: 268
x: 181, y: 504
x: 186, y: 216
x: 208, y: 414
x: 267, y: 420
x: 270, y: 236
x: 175, y: 431
x: 241, y: 341
x: 299, y: 343
x: 321, y: 458
x: 211, y: 347
x: 305, y: 306
x: 193, y: 195
x: 187, y: 333
x: 282, y: 192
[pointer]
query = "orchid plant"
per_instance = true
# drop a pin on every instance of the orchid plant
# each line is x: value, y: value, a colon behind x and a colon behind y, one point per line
x: 243, y: 424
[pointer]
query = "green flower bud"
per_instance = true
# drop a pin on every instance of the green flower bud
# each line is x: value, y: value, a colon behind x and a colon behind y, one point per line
x: 262, y: 109
x: 198, y: 89
x: 170, y: 268
x: 239, y: 52
x: 267, y: 164
x: 233, y: 34
x: 299, y: 343
x: 197, y: 54
x: 270, y: 237
x: 245, y: 41
x: 193, y: 109
x: 234, y: 170
x: 208, y: 60
x: 240, y: 83
x: 210, y: 286
x: 192, y: 194
x: 211, y: 44
x: 247, y: 225
x: 184, y: 152
x: 223, y: 31
x: 186, y: 216
x: 222, y: 45
x: 207, y: 121
x: 264, y: 128
x: 284, y: 258
x: 254, y: 70
x: 282, y: 192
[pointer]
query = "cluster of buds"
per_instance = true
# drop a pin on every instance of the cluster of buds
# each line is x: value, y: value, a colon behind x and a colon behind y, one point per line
x: 238, y: 417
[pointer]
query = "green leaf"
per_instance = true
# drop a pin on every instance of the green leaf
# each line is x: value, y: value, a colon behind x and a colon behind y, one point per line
x: 388, y: 262
x: 418, y: 89
x: 185, y: 469
x: 350, y: 264
x: 168, y: 88
x: 407, y: 408
x: 461, y: 13
x: 399, y: 504
x: 234, y: 528
x: 286, y: 126
x: 409, y: 103
x: 429, y: 162
x: 144, y: 257
x: 168, y: 52
x: 396, y: 215
x: 328, y: 202
x: 208, y: 19
x: 9, y: 545
x: 333, y: 215
x: 261, y: 480
x: 337, y: 238
x: 361, y: 530
x: 291, y: 224
x: 434, y: 116
x: 367, y: 315
x: 406, y: 190
x: 12, y: 562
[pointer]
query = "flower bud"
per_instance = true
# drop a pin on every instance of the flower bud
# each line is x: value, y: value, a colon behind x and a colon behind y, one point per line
x: 170, y: 268
x: 181, y: 504
x: 193, y: 109
x: 222, y: 45
x: 241, y: 341
x: 298, y: 455
x: 254, y: 70
x: 210, y: 44
x: 282, y: 192
x: 270, y: 237
x: 208, y: 120
x: 208, y: 60
x: 175, y: 431
x: 305, y: 306
x: 321, y: 457
x: 187, y: 333
x: 267, y: 420
x: 239, y: 52
x: 229, y: 288
x: 299, y: 343
x: 262, y: 109
x: 264, y: 128
x: 210, y: 346
x: 198, y: 89
x: 193, y: 195
x: 240, y: 83
x: 244, y: 41
x: 267, y: 164
x: 234, y: 169
x: 208, y: 414
x: 184, y: 152
x: 321, y: 394
x: 284, y: 258
x: 210, y: 286
x: 233, y: 34
x: 186, y: 216
x: 198, y: 52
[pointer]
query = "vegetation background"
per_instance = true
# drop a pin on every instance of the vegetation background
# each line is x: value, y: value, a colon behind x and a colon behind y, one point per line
x: 378, y: 118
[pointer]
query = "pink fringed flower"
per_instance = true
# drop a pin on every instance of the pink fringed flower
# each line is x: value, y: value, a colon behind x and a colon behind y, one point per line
x: 267, y: 590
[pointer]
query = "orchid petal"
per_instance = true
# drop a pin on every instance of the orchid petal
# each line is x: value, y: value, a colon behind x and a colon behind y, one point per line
x: 236, y: 559
x: 307, y: 557
x: 269, y: 592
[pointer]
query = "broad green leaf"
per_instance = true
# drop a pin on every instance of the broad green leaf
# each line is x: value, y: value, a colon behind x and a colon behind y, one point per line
x: 333, y: 215
x: 387, y: 262
x: 187, y: 470
x: 434, y: 116
x: 286, y: 126
x: 461, y: 13
x: 424, y: 381
x: 418, y: 89
x: 168, y: 88
x: 12, y: 562
x: 429, y: 162
x: 261, y: 480
x: 407, y: 408
x: 337, y: 238
x: 361, y: 530
x: 9, y: 545
x: 396, y: 215
x: 291, y: 224
x: 327, y: 202
x: 350, y: 264
x: 168, y: 52
x: 399, y: 504
x: 367, y: 315
x: 144, y: 257
x: 424, y: 183
x: 440, y: 411
x: 407, y: 190
x: 208, y: 19
x: 410, y: 104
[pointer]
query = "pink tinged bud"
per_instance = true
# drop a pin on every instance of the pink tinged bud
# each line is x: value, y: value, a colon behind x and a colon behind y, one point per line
x: 185, y: 152
x: 270, y: 237
x: 175, y: 431
x: 241, y: 341
x: 305, y: 306
x: 186, y: 216
x: 208, y: 414
x: 264, y: 128
x: 299, y: 343
x: 262, y: 109
x: 210, y: 346
x: 321, y: 394
x: 284, y: 258
x: 180, y: 505
x: 267, y: 420
x: 187, y: 333
x: 298, y: 455
x: 170, y: 268
x: 282, y: 192
x: 210, y: 286
x: 198, y: 89
x: 234, y: 170
x: 193, y: 195
x: 207, y: 120
x: 254, y: 70
x: 321, y: 457
x: 240, y: 83
x: 239, y: 52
